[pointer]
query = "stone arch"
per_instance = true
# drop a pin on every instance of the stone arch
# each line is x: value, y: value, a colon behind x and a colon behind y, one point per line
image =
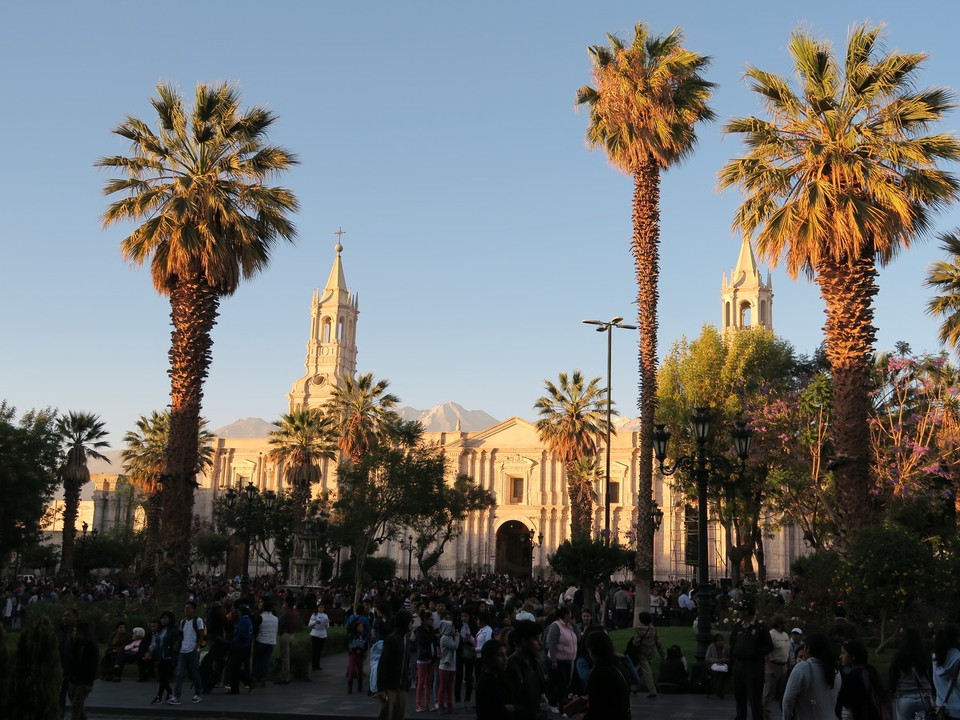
x: 514, y: 551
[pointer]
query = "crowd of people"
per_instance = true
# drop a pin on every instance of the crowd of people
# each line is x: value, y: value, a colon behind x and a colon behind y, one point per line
x: 508, y: 648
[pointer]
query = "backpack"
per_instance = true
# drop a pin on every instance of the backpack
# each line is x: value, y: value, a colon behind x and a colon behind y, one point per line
x: 198, y: 631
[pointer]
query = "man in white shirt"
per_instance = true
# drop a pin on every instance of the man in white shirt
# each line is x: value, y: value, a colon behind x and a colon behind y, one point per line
x: 776, y: 664
x: 188, y: 660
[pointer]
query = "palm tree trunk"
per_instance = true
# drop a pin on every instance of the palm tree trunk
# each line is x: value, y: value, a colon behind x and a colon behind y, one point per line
x: 646, y: 260
x: 71, y: 505
x: 847, y: 290
x: 152, y: 535
x: 193, y: 310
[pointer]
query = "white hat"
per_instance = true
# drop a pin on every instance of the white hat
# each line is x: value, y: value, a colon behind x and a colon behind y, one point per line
x: 798, y: 631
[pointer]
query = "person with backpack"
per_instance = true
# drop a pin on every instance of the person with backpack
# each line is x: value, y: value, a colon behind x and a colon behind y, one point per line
x: 640, y: 649
x: 238, y: 660
x: 188, y: 660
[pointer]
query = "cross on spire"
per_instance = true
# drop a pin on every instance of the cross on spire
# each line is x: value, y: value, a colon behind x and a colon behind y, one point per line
x: 340, y: 233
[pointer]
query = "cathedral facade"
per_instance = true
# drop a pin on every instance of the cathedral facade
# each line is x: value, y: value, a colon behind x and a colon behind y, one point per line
x: 532, y: 513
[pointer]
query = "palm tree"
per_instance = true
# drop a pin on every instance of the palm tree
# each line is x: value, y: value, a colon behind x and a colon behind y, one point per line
x: 303, y: 439
x: 644, y: 108
x: 943, y: 277
x: 572, y: 421
x: 83, y: 436
x: 363, y: 411
x: 144, y: 462
x: 839, y: 179
x: 198, y: 186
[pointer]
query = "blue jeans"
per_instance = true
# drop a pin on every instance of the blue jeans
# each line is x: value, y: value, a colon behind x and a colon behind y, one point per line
x: 188, y: 663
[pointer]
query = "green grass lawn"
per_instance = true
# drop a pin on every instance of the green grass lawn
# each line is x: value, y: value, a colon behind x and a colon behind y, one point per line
x: 685, y: 637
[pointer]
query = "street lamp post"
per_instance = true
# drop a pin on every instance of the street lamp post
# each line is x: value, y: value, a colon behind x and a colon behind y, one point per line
x: 608, y: 327
x: 407, y: 547
x: 701, y: 465
x: 83, y: 545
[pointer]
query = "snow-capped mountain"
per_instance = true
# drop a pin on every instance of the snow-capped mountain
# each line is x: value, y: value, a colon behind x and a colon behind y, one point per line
x: 251, y: 427
x: 443, y: 418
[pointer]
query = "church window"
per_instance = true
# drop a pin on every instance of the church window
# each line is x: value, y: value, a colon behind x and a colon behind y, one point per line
x: 614, y: 492
x: 726, y: 315
x: 745, y: 312
x: 340, y: 329
x: 516, y: 490
x: 325, y: 332
x: 763, y: 313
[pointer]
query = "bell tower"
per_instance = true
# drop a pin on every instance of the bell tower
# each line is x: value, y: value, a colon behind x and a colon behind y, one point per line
x: 746, y: 299
x: 332, y: 348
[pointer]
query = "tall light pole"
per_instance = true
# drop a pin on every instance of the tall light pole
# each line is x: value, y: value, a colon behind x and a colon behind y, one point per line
x: 701, y: 465
x: 608, y: 327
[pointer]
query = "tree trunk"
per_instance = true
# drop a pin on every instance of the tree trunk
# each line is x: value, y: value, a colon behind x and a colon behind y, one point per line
x: 847, y: 290
x: 193, y: 310
x: 71, y: 505
x: 152, y: 536
x: 646, y: 260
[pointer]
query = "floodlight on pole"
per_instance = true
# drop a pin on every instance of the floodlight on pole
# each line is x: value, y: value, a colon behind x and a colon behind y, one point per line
x: 607, y: 327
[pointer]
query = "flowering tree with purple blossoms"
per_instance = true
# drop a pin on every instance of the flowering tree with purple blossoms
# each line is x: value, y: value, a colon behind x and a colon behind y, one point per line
x: 915, y: 426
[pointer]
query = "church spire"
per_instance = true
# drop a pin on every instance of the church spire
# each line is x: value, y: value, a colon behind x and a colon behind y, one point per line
x: 746, y: 299
x: 332, y: 347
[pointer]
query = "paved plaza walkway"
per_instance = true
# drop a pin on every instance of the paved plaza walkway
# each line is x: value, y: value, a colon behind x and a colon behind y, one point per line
x: 326, y: 698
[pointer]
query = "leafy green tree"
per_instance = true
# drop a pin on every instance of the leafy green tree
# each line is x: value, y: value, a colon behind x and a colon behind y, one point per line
x: 145, y: 460
x: 83, y: 436
x: 725, y: 375
x: 40, y: 557
x: 589, y: 563
x: 363, y: 411
x: 383, y: 493
x: 269, y: 525
x: 443, y: 510
x: 883, y: 573
x: 211, y: 549
x: 572, y: 421
x: 839, y: 178
x: 30, y: 457
x: 645, y: 103
x: 209, y: 218
x: 791, y: 432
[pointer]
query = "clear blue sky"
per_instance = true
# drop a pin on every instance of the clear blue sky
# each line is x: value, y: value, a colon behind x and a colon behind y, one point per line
x: 443, y: 137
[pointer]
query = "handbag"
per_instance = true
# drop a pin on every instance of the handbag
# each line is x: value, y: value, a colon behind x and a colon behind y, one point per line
x: 929, y: 711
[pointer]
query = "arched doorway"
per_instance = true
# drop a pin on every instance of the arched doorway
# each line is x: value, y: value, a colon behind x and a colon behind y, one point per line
x: 514, y: 550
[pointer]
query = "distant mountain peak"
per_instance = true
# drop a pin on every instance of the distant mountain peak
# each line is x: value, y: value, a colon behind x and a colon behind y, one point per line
x: 251, y: 427
x: 443, y: 418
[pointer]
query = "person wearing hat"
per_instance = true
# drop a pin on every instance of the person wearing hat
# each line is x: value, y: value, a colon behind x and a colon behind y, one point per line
x: 775, y: 668
x: 796, y: 642
x: 750, y: 644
